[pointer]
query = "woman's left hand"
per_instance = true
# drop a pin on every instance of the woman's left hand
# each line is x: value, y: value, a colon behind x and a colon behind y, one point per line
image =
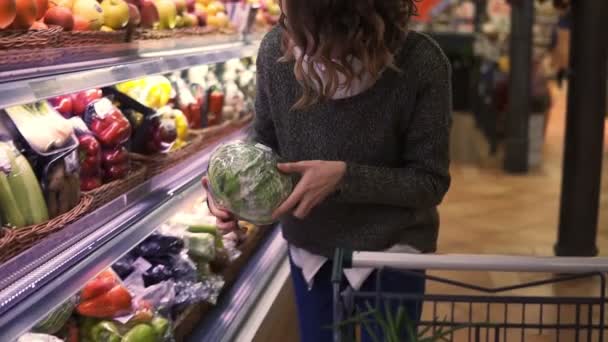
x: 319, y: 180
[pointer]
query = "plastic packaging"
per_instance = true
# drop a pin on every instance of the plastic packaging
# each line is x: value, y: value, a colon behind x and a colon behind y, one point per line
x: 244, y: 179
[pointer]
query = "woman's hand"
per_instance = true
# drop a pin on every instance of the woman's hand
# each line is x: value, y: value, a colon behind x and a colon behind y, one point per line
x: 225, y: 221
x: 319, y: 180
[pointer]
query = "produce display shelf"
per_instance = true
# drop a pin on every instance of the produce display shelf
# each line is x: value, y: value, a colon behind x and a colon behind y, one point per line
x: 235, y: 306
x: 40, y: 279
x: 146, y: 58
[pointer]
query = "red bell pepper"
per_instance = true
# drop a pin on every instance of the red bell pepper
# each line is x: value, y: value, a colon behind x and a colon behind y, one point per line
x: 115, y: 172
x: 63, y: 104
x: 90, y: 155
x: 108, y: 123
x: 81, y: 100
x: 104, y: 297
x: 99, y: 285
x: 115, y: 302
x: 216, y: 106
x: 114, y: 156
x: 88, y: 183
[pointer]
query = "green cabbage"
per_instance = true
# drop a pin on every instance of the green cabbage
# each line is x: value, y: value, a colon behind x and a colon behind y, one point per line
x: 244, y: 179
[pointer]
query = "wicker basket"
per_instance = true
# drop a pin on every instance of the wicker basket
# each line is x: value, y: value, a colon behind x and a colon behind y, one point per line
x: 158, y: 163
x: 112, y: 190
x: 193, y: 31
x: 148, y: 34
x: 92, y: 38
x: 26, y: 237
x: 24, y: 58
x: 30, y: 39
x: 7, y: 239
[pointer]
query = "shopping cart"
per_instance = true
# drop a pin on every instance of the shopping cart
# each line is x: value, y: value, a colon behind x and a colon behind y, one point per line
x: 546, y: 298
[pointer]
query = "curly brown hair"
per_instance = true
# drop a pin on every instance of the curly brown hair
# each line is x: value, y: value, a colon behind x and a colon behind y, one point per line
x: 332, y: 32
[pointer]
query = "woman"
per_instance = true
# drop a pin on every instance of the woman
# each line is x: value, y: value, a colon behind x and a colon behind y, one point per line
x: 361, y: 109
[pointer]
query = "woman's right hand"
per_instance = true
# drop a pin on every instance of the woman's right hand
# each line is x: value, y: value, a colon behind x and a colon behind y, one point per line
x: 225, y: 221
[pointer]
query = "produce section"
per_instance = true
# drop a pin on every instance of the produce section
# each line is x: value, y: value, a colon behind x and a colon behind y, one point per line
x: 105, y: 235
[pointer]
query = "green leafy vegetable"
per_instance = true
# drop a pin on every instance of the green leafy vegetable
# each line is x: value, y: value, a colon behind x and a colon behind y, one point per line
x: 244, y: 179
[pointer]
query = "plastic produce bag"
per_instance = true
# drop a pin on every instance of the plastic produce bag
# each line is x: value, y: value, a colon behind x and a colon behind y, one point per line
x: 244, y: 179
x: 159, y: 245
x: 201, y: 245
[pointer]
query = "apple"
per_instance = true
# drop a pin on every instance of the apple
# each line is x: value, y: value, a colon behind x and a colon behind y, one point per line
x: 80, y: 24
x: 60, y: 16
x: 213, y: 8
x: 149, y: 13
x: 63, y: 104
x: 8, y: 12
x: 190, y: 20
x: 26, y: 14
x: 81, y: 100
x: 91, y: 11
x: 167, y: 13
x: 219, y: 20
x: 115, y: 13
x: 134, y: 16
x: 41, y: 7
x: 39, y: 25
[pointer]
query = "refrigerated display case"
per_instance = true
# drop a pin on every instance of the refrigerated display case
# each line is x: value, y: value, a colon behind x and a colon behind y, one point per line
x: 41, y: 278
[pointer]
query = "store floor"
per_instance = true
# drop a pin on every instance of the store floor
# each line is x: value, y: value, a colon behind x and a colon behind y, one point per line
x: 490, y: 212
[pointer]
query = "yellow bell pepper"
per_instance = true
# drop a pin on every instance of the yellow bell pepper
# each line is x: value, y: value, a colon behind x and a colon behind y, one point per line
x: 181, y: 126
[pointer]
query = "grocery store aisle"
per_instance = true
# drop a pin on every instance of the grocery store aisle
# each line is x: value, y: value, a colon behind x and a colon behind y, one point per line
x: 490, y: 212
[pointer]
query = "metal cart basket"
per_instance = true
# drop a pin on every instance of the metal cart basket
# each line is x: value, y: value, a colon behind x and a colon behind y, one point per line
x: 543, y: 299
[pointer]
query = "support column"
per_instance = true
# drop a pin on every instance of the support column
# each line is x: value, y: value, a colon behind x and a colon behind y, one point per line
x: 584, y: 130
x: 516, y: 144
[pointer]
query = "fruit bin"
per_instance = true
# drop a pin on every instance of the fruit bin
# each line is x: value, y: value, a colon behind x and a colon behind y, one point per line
x: 109, y: 191
x: 26, y: 237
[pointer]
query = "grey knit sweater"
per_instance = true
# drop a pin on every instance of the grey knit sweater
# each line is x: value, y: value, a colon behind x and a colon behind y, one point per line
x: 394, y: 138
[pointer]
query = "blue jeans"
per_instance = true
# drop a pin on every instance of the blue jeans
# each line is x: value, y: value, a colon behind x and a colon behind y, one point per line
x: 315, y: 307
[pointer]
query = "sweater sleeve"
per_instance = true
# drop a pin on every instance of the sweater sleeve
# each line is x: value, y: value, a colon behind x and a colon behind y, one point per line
x: 263, y: 130
x: 424, y: 178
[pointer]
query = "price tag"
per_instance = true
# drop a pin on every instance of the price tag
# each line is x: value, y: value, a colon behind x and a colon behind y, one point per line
x: 102, y: 107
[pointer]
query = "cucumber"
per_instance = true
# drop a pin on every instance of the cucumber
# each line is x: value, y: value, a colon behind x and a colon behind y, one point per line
x: 9, y: 210
x: 26, y: 189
